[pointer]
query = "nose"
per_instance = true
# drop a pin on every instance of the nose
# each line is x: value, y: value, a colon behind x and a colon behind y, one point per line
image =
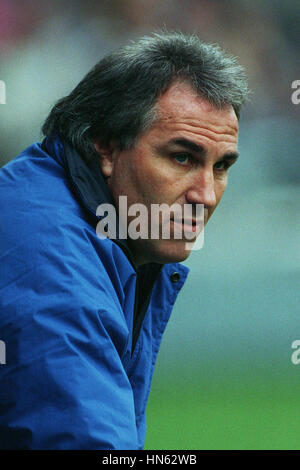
x: 202, y: 189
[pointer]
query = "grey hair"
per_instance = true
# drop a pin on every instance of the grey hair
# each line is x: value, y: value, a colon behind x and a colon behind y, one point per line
x: 116, y: 100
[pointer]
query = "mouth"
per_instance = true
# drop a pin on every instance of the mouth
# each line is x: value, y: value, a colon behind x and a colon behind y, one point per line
x: 189, y: 225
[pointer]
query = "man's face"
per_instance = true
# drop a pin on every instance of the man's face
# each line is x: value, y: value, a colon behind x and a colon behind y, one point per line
x: 182, y: 158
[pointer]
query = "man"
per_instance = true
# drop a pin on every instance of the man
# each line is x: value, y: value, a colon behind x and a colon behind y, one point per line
x: 82, y: 315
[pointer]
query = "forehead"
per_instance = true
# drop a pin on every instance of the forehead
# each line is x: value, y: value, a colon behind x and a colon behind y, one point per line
x: 180, y: 108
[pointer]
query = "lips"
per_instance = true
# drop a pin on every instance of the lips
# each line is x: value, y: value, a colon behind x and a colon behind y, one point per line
x: 192, y: 225
x: 187, y: 221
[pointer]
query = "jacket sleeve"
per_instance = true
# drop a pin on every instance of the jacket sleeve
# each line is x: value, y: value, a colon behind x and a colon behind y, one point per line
x: 63, y: 385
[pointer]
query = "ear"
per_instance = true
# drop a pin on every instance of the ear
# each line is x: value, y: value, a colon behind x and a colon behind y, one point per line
x: 106, y: 154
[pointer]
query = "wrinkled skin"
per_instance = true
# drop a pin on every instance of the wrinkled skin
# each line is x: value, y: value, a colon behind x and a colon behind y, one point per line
x: 159, y: 170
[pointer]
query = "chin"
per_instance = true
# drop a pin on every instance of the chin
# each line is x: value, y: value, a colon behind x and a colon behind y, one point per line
x: 165, y: 252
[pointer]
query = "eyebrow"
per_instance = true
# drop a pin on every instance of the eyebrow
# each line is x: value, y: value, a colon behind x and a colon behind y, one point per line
x: 196, y: 148
x: 188, y: 145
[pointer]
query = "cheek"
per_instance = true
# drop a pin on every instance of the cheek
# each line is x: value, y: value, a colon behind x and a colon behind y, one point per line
x: 153, y: 184
x: 220, y: 187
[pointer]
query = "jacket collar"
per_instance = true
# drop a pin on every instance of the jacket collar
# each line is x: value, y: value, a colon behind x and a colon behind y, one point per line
x: 90, y: 187
x: 86, y: 177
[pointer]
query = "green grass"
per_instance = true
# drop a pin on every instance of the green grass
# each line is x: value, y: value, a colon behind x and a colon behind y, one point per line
x: 260, y: 414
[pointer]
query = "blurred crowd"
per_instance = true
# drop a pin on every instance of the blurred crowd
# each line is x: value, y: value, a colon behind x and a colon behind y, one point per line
x: 47, y: 47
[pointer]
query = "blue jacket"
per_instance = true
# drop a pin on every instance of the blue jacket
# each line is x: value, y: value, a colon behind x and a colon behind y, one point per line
x: 81, y: 323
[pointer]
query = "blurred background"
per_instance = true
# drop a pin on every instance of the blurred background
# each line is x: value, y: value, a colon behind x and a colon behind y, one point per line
x: 224, y: 377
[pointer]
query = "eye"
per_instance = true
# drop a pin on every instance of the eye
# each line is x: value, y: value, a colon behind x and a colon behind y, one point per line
x: 223, y: 165
x: 182, y: 158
